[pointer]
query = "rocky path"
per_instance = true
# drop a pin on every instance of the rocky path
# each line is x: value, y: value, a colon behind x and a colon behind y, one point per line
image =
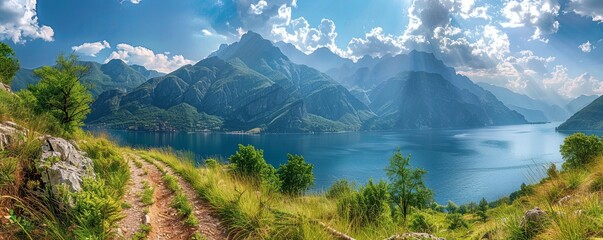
x: 164, y: 221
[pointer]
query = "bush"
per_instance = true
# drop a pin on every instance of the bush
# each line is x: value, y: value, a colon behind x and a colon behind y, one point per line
x: 579, y: 149
x: 451, y: 207
x: 95, y: 211
x: 109, y: 164
x: 249, y: 162
x: 341, y: 188
x: 456, y: 221
x: 296, y: 175
x: 420, y: 223
x: 367, y: 206
x: 211, y: 163
x: 482, y: 209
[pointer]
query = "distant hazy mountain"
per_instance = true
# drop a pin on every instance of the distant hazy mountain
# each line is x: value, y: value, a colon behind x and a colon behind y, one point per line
x: 417, y: 100
x: 322, y: 58
x: 588, y: 118
x: 115, y: 74
x: 533, y: 110
x: 248, y: 84
x: 580, y: 102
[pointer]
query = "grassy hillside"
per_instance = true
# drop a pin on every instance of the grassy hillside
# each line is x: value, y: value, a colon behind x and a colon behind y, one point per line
x: 571, y: 199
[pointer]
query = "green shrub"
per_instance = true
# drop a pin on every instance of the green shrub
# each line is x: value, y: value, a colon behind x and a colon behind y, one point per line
x: 211, y: 163
x: 250, y: 163
x: 420, y: 223
x: 456, y: 221
x: 296, y: 175
x: 370, y: 205
x: 579, y: 149
x: 482, y: 209
x: 339, y: 189
x: 451, y: 207
x: 109, y: 164
x: 95, y: 211
x: 552, y: 171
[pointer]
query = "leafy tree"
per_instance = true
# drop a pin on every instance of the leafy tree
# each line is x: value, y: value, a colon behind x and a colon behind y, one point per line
x: 463, y: 209
x: 249, y: 162
x: 482, y: 209
x: 407, y: 188
x: 451, y: 207
x: 340, y: 188
x: 61, y: 92
x: 9, y: 64
x: 296, y: 175
x: 579, y: 149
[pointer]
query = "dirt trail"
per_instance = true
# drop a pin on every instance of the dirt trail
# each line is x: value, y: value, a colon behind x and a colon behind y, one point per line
x: 165, y: 221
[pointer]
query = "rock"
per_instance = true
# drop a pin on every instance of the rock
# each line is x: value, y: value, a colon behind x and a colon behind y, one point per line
x: 533, y: 220
x: 4, y: 87
x: 413, y: 236
x: 62, y: 163
x: 147, y: 219
x: 564, y: 199
x: 9, y: 132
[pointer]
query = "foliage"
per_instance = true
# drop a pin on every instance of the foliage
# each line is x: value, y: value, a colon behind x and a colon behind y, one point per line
x: 482, y: 209
x: 95, y: 211
x: 339, y: 189
x: 579, y: 149
x: 9, y: 64
x: 296, y: 175
x: 456, y: 221
x: 109, y: 163
x: 367, y: 206
x: 406, y: 187
x: 419, y: 222
x: 211, y: 163
x: 451, y: 207
x: 250, y: 163
x: 61, y: 93
x: 552, y: 171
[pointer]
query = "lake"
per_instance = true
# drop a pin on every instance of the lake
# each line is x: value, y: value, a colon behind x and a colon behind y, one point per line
x: 463, y: 165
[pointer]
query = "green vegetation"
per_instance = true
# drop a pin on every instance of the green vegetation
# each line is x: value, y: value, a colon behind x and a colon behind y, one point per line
x: 249, y: 163
x: 61, y: 93
x: 146, y: 196
x: 9, y: 64
x: 578, y: 150
x: 296, y: 175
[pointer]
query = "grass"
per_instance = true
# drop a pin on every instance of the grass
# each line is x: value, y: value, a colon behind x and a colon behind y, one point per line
x: 146, y: 196
x: 143, y: 233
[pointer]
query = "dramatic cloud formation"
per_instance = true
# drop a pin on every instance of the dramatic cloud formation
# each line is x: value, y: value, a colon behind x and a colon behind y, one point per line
x: 258, y: 8
x: 91, y: 49
x: 147, y: 58
x: 538, y: 14
x: 572, y: 87
x: 586, y: 47
x: 375, y: 44
x: 18, y: 21
x: 588, y: 8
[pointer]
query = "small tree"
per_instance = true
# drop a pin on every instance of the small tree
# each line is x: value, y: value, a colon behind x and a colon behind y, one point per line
x: 9, y: 65
x: 249, y: 162
x: 406, y: 187
x: 579, y: 149
x: 61, y: 93
x: 451, y: 207
x: 370, y: 205
x: 482, y: 209
x: 296, y: 175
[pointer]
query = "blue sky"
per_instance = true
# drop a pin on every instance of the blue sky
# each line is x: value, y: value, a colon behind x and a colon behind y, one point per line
x: 549, y: 49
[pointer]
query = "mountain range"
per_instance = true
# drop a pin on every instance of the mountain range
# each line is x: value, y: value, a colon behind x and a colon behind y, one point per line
x: 588, y: 118
x: 252, y: 84
x: 115, y: 74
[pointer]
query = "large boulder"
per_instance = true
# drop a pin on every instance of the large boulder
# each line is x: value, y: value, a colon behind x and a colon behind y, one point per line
x: 62, y: 164
x: 9, y: 133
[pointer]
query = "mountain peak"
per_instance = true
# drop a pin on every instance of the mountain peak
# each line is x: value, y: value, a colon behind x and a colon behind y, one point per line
x: 251, y: 48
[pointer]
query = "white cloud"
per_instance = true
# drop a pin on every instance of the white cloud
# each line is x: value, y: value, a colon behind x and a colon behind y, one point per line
x: 375, y: 43
x: 19, y: 20
x: 147, y: 58
x: 131, y: 1
x: 91, y: 49
x: 299, y: 33
x: 586, y: 47
x: 538, y: 14
x: 571, y: 87
x: 206, y: 32
x: 588, y: 8
x: 257, y: 8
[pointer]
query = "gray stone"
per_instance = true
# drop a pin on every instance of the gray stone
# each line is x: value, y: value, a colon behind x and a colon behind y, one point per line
x: 9, y: 133
x: 533, y: 219
x: 62, y: 164
x: 414, y: 236
x: 4, y: 87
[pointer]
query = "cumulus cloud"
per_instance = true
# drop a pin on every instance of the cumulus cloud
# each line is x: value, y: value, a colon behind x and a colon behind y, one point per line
x: 538, y: 14
x: 19, y: 21
x: 258, y: 8
x: 132, y: 1
x: 571, y: 87
x: 91, y: 49
x: 375, y: 43
x: 588, y: 8
x: 147, y: 58
x: 586, y: 47
x: 299, y: 33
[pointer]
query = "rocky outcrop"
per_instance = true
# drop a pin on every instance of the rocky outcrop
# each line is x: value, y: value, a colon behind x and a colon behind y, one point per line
x: 413, y: 236
x: 533, y: 220
x: 4, y: 87
x: 62, y: 164
x: 9, y: 133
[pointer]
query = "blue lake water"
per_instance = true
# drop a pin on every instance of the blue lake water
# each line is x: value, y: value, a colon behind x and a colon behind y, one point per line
x: 463, y: 165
